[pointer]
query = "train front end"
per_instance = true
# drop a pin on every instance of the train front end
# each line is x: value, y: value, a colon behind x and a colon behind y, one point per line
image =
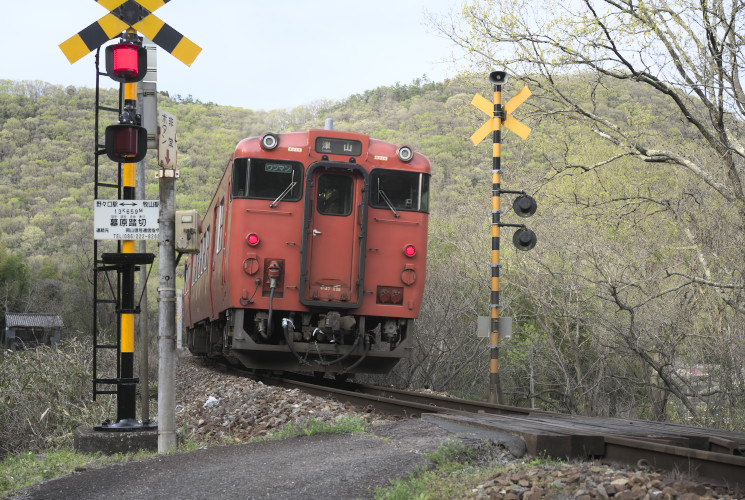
x: 323, y: 257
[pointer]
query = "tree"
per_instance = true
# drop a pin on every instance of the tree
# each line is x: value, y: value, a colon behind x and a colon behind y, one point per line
x: 13, y: 282
x: 691, y: 53
x: 658, y: 83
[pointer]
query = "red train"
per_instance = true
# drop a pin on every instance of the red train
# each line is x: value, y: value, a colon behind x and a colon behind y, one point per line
x: 312, y: 255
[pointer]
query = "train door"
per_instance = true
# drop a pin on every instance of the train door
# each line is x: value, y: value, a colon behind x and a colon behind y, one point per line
x: 335, y: 235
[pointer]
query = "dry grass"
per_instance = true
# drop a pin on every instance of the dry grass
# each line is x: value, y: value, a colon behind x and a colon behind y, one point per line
x: 45, y: 394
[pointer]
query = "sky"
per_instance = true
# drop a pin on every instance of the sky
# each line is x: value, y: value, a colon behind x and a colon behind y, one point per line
x: 256, y: 54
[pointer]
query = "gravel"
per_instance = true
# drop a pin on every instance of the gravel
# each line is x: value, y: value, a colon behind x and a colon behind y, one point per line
x: 217, y: 407
x: 586, y: 480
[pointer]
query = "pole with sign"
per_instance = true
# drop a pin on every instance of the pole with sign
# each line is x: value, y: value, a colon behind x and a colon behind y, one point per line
x: 167, y: 153
x: 500, y: 116
x: 126, y: 144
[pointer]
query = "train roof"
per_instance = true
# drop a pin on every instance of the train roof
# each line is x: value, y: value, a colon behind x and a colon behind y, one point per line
x: 336, y: 145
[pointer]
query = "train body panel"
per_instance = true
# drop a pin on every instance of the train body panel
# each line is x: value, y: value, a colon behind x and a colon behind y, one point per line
x: 312, y: 254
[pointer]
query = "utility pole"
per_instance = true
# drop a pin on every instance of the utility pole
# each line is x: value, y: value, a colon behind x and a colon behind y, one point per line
x: 167, y: 283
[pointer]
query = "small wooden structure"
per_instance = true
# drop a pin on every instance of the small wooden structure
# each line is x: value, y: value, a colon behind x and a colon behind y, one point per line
x: 28, y: 330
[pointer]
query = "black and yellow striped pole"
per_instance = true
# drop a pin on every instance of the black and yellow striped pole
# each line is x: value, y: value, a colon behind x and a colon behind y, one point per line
x: 495, y: 391
x: 500, y: 116
x: 126, y: 392
x: 126, y: 143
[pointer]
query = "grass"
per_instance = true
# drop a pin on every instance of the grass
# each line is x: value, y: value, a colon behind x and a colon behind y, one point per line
x: 26, y: 469
x: 454, y: 474
x: 344, y: 425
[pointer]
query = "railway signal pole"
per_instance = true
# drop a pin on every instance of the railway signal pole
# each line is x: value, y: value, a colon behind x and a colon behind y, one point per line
x: 501, y: 116
x: 126, y: 144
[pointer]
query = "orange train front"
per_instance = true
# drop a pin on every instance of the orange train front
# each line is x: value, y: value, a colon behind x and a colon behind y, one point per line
x: 312, y: 255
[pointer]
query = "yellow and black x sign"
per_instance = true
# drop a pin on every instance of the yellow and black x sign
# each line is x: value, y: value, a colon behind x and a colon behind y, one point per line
x: 510, y: 121
x: 137, y: 14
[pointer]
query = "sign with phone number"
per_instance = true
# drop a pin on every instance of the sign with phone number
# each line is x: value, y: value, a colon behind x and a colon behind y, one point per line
x: 125, y: 219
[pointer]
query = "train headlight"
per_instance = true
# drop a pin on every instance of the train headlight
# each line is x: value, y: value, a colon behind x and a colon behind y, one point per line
x: 253, y: 239
x: 405, y: 154
x: 269, y: 142
x: 409, y: 250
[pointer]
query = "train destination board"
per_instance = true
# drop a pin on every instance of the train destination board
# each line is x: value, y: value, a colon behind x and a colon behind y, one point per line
x: 125, y: 219
x: 348, y: 147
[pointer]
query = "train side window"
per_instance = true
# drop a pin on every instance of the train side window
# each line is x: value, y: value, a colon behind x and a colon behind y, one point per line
x: 220, y: 222
x: 335, y: 194
x: 205, y: 262
x: 400, y: 190
x: 267, y: 179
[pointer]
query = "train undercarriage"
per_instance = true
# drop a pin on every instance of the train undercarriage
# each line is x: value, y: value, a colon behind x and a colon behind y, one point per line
x: 322, y: 342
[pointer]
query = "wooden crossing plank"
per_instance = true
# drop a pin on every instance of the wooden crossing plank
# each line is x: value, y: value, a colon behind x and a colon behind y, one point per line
x: 538, y: 439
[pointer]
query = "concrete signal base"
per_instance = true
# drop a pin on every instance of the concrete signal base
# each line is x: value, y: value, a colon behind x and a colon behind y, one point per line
x: 88, y: 440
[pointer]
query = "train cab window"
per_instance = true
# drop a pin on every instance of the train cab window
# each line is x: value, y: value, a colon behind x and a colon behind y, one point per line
x: 400, y: 190
x: 335, y: 194
x: 276, y: 180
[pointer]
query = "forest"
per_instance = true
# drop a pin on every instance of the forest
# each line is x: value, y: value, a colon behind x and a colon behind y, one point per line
x: 632, y: 302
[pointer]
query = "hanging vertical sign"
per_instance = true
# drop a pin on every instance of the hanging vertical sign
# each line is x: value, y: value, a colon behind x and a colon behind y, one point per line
x: 167, y: 149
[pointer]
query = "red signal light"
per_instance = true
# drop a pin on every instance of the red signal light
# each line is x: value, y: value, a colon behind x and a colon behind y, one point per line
x: 409, y: 250
x: 126, y: 143
x: 126, y: 62
x: 253, y: 239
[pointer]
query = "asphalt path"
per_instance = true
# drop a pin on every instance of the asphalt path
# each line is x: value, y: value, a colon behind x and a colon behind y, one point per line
x: 324, y: 466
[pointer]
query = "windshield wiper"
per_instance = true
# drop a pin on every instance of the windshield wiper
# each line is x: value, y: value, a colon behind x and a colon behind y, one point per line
x: 283, y: 194
x: 388, y: 202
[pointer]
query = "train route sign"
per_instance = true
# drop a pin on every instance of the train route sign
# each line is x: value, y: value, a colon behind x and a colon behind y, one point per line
x: 125, y: 219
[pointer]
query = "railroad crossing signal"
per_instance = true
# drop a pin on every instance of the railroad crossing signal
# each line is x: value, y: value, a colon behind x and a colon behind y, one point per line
x: 136, y: 14
x: 525, y: 206
x: 508, y: 121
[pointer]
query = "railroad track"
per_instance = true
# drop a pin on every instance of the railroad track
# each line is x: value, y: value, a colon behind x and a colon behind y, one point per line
x: 712, y: 455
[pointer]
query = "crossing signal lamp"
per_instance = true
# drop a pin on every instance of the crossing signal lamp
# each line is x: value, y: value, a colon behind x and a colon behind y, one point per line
x: 126, y: 62
x: 524, y: 239
x: 126, y: 143
x: 524, y: 206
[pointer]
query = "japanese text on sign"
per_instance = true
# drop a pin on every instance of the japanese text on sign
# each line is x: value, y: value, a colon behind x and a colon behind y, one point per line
x: 125, y: 219
x: 167, y: 145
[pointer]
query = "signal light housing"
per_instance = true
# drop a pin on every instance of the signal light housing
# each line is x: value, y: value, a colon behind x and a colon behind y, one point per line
x: 524, y: 239
x: 253, y: 239
x: 524, y: 206
x: 126, y: 62
x: 126, y: 143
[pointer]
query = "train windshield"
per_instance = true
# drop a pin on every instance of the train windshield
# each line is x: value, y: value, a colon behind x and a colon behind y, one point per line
x: 400, y: 190
x: 275, y: 180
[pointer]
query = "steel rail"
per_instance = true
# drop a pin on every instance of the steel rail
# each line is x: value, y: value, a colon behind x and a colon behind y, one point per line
x: 641, y: 451
x: 717, y: 468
